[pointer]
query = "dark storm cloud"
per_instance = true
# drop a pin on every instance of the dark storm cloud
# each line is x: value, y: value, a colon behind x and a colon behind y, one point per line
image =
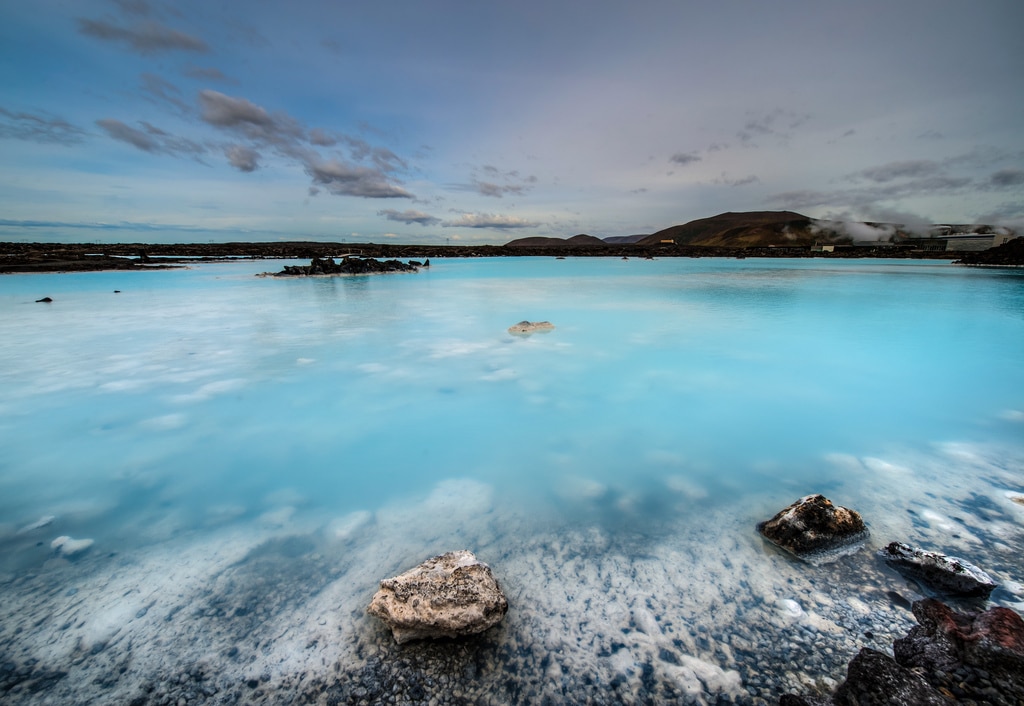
x: 424, y: 219
x: 38, y: 128
x: 684, y: 158
x: 150, y: 139
x: 352, y: 180
x: 242, y: 158
x: 489, y: 220
x: 148, y: 37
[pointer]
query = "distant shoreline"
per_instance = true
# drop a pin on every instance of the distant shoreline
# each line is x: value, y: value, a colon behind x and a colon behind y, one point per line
x: 91, y: 257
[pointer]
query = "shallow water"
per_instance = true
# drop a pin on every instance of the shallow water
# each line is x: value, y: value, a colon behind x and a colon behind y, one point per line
x: 239, y: 446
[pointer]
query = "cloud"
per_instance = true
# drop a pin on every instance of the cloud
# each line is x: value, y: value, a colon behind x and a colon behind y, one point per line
x: 1006, y: 178
x: 488, y: 220
x: 38, y: 128
x: 352, y: 180
x: 160, y: 91
x: 206, y: 73
x: 898, y: 170
x: 424, y: 219
x: 684, y: 158
x: 779, y: 123
x: 147, y: 37
x: 488, y: 180
x: 242, y: 158
x: 289, y: 138
x: 322, y: 138
x: 150, y: 139
x: 248, y: 118
x: 743, y: 181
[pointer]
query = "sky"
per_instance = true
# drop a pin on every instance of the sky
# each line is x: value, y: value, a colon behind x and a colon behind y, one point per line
x: 464, y: 122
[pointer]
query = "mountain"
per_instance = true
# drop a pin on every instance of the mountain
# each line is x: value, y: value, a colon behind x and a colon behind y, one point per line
x: 741, y: 230
x: 624, y: 239
x: 577, y: 241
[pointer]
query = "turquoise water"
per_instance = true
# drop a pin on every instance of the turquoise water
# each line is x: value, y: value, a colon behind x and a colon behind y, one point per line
x: 203, y: 389
x: 249, y: 457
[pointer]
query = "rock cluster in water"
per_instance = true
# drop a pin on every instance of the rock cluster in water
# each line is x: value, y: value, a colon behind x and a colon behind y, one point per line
x: 450, y: 595
x: 815, y: 530
x: 348, y: 266
x: 525, y: 328
x: 947, y: 575
x: 970, y: 657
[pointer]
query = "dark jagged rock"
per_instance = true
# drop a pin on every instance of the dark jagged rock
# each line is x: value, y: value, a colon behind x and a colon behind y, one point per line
x: 815, y: 530
x: 1009, y: 254
x: 347, y: 266
x: 974, y: 657
x: 947, y: 575
x: 44, y: 300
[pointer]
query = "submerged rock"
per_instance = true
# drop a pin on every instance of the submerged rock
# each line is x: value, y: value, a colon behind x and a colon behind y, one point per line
x: 947, y: 575
x: 450, y: 595
x: 972, y: 657
x: 525, y: 328
x: 815, y: 530
x: 43, y: 521
x: 68, y: 546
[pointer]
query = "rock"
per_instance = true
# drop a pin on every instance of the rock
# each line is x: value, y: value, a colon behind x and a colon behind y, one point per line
x: 347, y: 266
x: 948, y: 641
x: 69, y: 547
x: 815, y: 530
x: 525, y: 328
x: 44, y: 300
x: 947, y: 575
x: 875, y: 678
x: 972, y: 657
x: 450, y: 595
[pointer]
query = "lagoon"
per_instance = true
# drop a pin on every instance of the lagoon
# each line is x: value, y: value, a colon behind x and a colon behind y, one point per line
x: 250, y: 455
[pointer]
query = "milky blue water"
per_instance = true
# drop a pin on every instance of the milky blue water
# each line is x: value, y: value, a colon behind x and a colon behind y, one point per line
x: 209, y: 394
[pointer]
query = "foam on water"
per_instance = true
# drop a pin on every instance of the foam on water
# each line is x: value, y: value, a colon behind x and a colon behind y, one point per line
x: 251, y: 455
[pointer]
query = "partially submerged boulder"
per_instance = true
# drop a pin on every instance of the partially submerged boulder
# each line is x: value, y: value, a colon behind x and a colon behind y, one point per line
x: 949, y: 657
x: 525, y: 328
x: 69, y: 546
x: 450, y: 595
x: 947, y: 575
x: 815, y: 530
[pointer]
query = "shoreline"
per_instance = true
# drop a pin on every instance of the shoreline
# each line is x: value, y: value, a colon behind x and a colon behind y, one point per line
x: 18, y: 258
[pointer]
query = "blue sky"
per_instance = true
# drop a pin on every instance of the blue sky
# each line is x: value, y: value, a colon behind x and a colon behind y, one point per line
x: 471, y: 122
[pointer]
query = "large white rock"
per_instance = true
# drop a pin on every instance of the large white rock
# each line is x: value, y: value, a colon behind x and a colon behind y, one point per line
x: 450, y: 595
x: 69, y: 546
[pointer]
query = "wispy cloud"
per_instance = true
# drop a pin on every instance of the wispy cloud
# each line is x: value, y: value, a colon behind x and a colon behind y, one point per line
x: 160, y: 90
x: 242, y: 158
x: 343, y: 179
x: 206, y: 73
x: 917, y: 168
x: 489, y: 220
x: 410, y: 216
x: 1006, y: 178
x: 150, y: 138
x: 778, y: 123
x: 38, y: 128
x: 146, y: 37
x: 684, y: 158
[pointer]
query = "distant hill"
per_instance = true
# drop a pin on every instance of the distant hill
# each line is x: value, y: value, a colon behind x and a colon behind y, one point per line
x: 624, y: 239
x: 741, y: 230
x: 577, y: 241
